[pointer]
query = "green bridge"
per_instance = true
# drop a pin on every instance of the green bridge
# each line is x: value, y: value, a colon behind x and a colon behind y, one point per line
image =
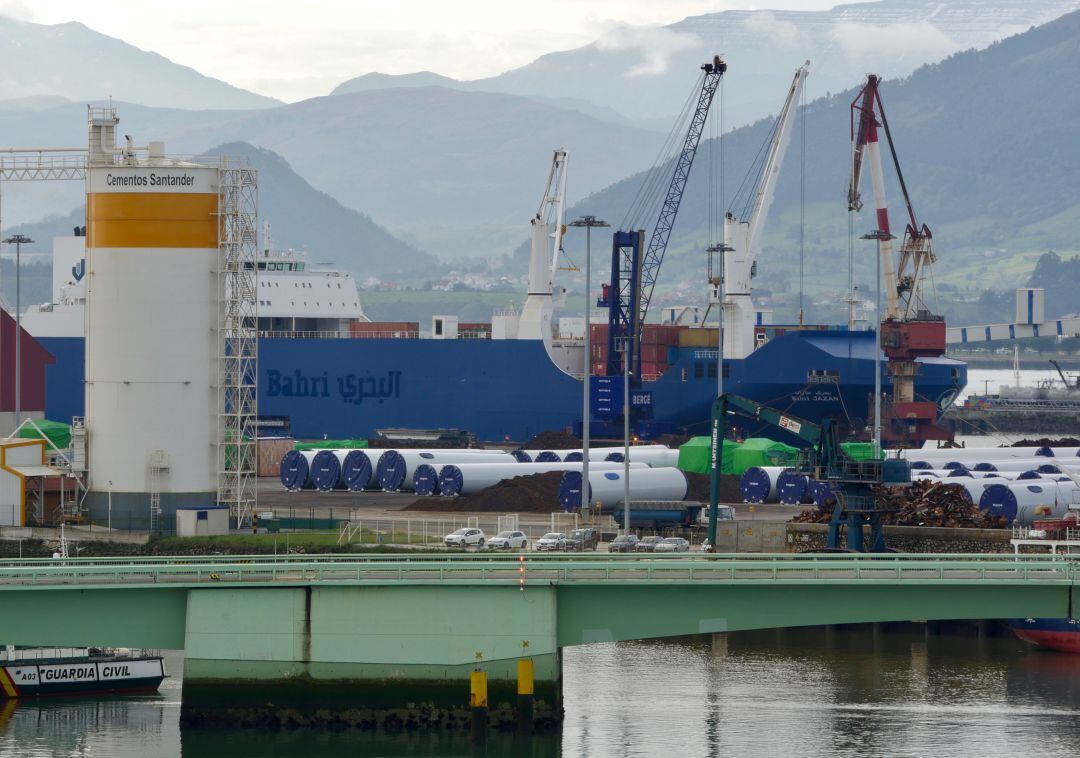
x: 383, y: 632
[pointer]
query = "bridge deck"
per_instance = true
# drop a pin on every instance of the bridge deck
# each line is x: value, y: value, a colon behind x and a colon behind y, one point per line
x: 473, y: 569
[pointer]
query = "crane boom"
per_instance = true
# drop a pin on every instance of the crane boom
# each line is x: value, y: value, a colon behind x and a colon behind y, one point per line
x: 634, y: 272
x: 546, y: 232
x: 742, y: 236
x: 909, y: 330
x: 654, y: 255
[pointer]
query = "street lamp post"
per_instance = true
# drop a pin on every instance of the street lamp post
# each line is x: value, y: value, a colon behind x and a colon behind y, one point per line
x: 18, y: 241
x: 716, y: 279
x: 589, y: 222
x: 878, y: 236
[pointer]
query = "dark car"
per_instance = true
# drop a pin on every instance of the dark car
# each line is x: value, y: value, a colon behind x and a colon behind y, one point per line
x: 583, y: 539
x: 648, y: 544
x: 625, y: 543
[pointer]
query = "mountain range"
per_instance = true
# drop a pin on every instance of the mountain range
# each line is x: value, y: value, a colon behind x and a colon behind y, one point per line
x: 74, y: 62
x: 644, y: 73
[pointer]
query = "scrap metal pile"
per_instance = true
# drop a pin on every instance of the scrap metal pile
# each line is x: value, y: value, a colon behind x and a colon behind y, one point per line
x: 924, y: 503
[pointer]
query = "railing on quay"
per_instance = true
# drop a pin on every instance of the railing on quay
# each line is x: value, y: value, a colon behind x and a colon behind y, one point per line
x: 437, y: 569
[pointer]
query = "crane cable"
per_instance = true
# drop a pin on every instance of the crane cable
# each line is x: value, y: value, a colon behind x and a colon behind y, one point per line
x: 802, y: 203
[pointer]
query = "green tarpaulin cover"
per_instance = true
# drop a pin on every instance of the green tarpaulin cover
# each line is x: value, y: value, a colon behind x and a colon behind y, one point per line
x: 59, y: 433
x: 761, y: 451
x: 330, y: 444
x: 694, y: 455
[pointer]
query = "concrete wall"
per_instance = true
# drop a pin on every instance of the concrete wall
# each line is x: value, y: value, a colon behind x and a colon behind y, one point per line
x: 751, y: 537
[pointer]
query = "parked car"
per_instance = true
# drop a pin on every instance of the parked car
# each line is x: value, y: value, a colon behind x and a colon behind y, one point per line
x: 509, y: 540
x: 583, y: 539
x: 672, y: 545
x: 551, y: 541
x: 465, y: 537
x: 626, y: 543
x: 648, y: 544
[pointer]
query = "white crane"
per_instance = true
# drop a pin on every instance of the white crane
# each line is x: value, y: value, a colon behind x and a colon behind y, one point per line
x: 742, y: 236
x: 544, y: 258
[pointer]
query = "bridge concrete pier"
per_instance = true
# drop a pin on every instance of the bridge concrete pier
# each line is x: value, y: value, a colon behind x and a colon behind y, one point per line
x: 366, y: 656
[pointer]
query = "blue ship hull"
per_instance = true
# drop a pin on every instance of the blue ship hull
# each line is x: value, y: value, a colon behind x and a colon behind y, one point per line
x: 510, y: 390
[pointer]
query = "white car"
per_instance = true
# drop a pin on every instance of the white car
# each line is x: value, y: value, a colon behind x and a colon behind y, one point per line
x: 465, y: 537
x: 672, y: 545
x: 551, y: 541
x: 509, y: 540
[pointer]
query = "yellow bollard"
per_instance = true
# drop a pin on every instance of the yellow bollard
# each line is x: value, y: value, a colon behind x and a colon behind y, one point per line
x: 478, y: 703
x: 525, y: 695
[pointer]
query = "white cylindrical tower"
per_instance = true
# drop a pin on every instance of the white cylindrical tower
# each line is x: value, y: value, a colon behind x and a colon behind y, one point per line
x: 152, y: 315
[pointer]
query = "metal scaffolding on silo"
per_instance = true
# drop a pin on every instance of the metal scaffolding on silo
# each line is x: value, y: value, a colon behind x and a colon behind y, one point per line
x: 238, y: 329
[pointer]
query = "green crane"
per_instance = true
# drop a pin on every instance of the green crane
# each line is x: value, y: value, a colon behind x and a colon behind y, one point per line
x: 823, y: 459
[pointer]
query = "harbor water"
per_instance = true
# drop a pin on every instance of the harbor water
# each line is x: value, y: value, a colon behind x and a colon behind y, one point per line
x: 841, y: 692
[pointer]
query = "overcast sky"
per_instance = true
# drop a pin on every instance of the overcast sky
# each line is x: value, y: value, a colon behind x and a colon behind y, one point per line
x: 296, y: 49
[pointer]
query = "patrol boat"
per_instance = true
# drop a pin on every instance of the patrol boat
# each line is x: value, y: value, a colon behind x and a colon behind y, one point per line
x: 69, y: 672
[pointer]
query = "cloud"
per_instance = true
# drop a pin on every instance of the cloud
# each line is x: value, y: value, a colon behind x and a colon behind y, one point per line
x: 16, y: 10
x: 766, y: 25
x: 656, y: 44
x: 918, y: 40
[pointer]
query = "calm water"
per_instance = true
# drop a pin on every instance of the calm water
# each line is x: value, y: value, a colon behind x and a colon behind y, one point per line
x: 751, y: 694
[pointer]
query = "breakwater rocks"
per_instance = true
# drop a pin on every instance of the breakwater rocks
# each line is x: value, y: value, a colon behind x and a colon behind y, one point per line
x: 419, y: 717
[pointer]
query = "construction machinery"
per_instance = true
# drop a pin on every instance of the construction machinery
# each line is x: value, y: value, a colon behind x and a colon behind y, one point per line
x: 824, y: 460
x: 909, y: 329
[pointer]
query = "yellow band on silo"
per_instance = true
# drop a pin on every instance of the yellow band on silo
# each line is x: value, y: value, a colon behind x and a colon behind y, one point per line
x: 165, y: 219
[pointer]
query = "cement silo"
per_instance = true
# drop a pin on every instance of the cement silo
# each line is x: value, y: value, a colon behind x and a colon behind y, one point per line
x: 152, y: 324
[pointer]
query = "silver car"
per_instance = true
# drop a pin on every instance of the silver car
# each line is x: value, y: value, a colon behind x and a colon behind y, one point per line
x: 465, y: 537
x: 509, y: 540
x: 552, y: 541
x: 672, y: 545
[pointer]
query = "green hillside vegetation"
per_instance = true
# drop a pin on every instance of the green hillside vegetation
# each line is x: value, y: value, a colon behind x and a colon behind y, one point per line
x: 987, y: 141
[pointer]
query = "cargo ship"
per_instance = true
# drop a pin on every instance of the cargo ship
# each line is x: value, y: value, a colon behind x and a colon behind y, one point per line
x: 70, y: 672
x: 1056, y: 634
x: 327, y: 371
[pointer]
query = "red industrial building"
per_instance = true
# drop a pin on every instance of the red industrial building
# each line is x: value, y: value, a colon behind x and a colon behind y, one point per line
x: 33, y: 359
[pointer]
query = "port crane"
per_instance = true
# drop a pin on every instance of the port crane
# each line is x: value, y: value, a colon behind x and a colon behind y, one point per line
x: 851, y: 481
x: 909, y: 329
x: 634, y: 270
x: 547, y: 227
x: 742, y: 234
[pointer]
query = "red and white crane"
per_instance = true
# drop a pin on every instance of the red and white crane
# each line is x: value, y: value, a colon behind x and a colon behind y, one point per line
x: 909, y: 329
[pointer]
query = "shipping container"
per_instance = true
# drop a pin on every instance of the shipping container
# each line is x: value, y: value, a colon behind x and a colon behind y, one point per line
x: 699, y: 337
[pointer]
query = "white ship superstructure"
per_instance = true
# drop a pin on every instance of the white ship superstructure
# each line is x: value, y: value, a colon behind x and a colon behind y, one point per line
x: 294, y: 294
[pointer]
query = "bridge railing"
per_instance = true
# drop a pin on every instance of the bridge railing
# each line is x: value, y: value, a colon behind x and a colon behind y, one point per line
x: 437, y: 570
x: 472, y: 555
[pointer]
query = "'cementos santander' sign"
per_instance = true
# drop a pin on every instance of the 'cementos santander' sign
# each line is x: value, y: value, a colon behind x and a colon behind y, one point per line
x: 154, y: 179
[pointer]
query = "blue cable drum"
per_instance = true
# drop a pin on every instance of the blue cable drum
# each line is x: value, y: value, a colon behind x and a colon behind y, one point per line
x: 356, y: 470
x: 755, y: 485
x: 326, y: 470
x: 450, y: 481
x: 985, y: 466
x: 521, y: 456
x: 821, y: 493
x: 1046, y: 452
x: 920, y: 465
x: 1048, y: 468
x: 425, y: 480
x: 569, y: 493
x: 792, y: 487
x: 390, y: 471
x: 574, y: 456
x: 960, y: 472
x: 547, y: 456
x: 956, y: 466
x: 616, y: 456
x: 295, y: 470
x: 1032, y: 474
x: 999, y: 500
